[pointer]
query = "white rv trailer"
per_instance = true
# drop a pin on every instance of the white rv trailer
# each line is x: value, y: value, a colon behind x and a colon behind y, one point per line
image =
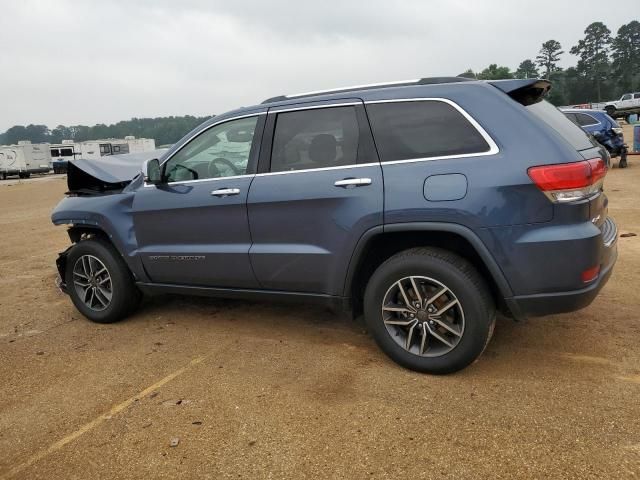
x: 139, y: 145
x: 94, y: 149
x: 61, y: 153
x: 24, y: 159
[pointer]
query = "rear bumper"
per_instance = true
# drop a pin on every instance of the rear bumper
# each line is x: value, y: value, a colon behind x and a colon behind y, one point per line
x: 543, y: 304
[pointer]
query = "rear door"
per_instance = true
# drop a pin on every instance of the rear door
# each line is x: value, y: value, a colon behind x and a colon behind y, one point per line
x: 318, y: 190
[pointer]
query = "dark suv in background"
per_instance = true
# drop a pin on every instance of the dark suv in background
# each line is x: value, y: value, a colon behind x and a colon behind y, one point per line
x: 604, y: 129
x: 426, y: 205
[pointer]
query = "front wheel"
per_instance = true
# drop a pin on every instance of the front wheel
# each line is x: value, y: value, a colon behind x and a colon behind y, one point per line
x: 99, y: 282
x: 429, y: 310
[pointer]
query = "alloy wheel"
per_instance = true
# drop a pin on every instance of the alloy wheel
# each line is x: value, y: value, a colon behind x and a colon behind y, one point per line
x: 423, y: 316
x: 92, y: 282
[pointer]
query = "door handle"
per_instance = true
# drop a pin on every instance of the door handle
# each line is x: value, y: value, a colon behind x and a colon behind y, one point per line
x: 353, y: 182
x: 225, y: 192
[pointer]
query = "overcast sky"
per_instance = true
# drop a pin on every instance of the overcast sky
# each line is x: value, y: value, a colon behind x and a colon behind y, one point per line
x: 100, y: 61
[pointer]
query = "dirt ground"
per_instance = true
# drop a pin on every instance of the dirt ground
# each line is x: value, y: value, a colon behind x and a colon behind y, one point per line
x: 278, y: 391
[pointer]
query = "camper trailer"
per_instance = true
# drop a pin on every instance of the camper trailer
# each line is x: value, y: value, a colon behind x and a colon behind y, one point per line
x: 24, y: 159
x: 94, y: 149
x: 61, y: 153
x: 139, y: 145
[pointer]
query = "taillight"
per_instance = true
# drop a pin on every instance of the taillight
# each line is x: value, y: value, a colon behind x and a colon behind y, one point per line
x: 568, y: 182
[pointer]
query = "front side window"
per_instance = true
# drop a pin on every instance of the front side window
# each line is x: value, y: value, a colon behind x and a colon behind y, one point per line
x: 626, y: 97
x: 315, y: 138
x: 55, y: 152
x: 66, y: 152
x: 220, y: 151
x: 422, y: 129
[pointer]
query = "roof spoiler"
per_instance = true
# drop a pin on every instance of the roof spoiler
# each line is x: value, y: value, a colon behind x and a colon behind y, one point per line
x: 525, y: 92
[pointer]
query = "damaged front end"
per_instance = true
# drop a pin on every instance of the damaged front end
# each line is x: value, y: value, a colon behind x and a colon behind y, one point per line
x: 61, y: 265
x: 109, y: 174
x: 99, y: 204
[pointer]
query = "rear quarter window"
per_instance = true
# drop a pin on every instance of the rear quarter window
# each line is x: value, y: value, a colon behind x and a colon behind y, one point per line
x: 422, y: 129
x: 555, y: 119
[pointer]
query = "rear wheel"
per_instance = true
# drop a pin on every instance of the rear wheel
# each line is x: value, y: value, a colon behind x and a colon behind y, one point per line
x: 429, y: 310
x: 610, y: 109
x: 100, y: 283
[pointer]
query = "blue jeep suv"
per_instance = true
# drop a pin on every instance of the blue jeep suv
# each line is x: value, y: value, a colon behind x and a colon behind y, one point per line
x: 425, y: 205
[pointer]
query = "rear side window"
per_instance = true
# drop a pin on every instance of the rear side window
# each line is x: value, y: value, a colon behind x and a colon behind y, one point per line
x: 315, y: 138
x: 636, y: 95
x: 422, y: 129
x: 585, y: 120
x: 555, y: 119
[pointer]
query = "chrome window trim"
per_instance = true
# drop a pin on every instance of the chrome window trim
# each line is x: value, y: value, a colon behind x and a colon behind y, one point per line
x: 284, y: 108
x: 493, y: 146
x: 200, y: 180
x: 197, y: 135
x: 321, y: 169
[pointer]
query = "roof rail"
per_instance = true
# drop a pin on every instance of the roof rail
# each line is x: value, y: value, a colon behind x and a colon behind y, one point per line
x: 402, y: 83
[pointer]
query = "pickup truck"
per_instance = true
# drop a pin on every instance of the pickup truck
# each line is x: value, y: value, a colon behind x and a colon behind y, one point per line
x: 628, y: 104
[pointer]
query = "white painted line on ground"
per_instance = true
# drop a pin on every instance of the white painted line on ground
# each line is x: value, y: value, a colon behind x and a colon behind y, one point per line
x: 97, y: 421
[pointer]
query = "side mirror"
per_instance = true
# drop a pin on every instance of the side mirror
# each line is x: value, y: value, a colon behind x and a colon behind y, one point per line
x: 151, y: 171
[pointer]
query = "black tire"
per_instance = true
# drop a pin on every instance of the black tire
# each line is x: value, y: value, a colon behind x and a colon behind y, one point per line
x: 623, y: 159
x: 611, y: 110
x: 125, y: 295
x: 462, y: 279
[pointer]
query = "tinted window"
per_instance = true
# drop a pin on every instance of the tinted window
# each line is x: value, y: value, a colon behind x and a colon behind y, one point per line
x: 55, y: 152
x: 555, y: 119
x: 407, y: 130
x: 315, y: 138
x: 66, y: 152
x: 636, y: 95
x: 220, y: 151
x: 572, y: 117
x: 584, y: 119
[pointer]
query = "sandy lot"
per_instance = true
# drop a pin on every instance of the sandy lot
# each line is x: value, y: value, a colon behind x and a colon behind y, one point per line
x: 278, y: 391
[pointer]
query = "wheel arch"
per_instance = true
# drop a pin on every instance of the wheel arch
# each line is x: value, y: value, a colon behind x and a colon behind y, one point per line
x: 81, y: 231
x: 380, y: 243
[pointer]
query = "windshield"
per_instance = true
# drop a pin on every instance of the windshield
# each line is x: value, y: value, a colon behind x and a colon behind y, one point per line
x: 561, y: 124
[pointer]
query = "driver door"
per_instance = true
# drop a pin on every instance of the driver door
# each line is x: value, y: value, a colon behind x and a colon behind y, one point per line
x: 192, y: 229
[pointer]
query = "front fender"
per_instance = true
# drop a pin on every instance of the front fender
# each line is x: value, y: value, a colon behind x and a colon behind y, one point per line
x: 112, y: 214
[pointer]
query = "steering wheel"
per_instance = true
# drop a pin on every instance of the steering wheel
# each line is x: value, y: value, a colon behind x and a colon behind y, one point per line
x: 214, y: 171
x: 174, y: 172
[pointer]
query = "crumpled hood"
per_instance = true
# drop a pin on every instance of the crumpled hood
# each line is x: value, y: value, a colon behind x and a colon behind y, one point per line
x: 110, y: 172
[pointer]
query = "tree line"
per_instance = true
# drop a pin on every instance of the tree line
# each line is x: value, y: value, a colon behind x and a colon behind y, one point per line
x: 607, y: 66
x: 165, y: 130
